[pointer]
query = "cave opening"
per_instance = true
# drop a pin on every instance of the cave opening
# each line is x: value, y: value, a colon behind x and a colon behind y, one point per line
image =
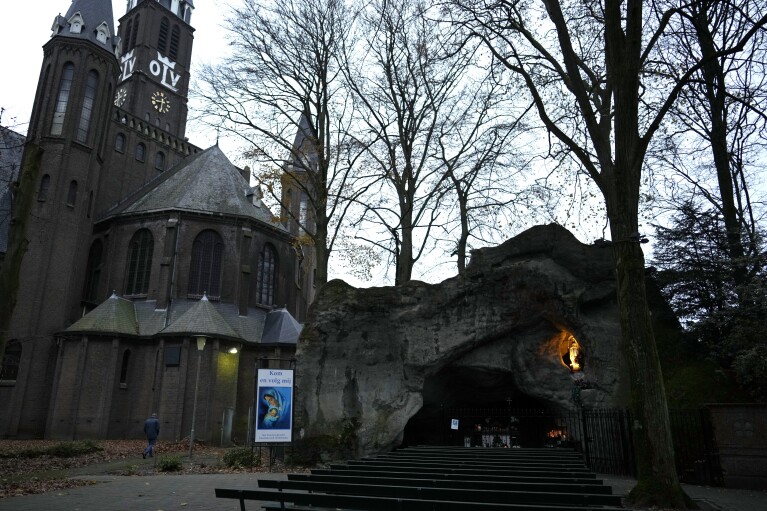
x: 478, y: 407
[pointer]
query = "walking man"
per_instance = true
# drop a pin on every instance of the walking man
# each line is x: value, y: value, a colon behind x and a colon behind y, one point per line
x: 151, y: 430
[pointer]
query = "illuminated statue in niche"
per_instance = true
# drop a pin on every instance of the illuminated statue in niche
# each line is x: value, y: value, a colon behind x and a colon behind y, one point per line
x: 572, y: 355
x: 575, y: 364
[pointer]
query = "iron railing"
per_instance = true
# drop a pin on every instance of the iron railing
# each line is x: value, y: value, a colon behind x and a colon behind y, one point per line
x: 603, y: 435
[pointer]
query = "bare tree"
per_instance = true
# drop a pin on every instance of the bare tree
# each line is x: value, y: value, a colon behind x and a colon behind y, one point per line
x: 405, y: 76
x: 279, y: 92
x: 720, y: 122
x: 585, y: 65
x: 487, y: 185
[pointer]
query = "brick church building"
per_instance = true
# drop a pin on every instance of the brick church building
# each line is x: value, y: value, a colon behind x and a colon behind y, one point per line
x: 143, y: 248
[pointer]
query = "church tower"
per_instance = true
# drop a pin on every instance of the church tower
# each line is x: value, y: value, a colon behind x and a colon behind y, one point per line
x: 155, y: 55
x: 148, y: 125
x: 69, y: 122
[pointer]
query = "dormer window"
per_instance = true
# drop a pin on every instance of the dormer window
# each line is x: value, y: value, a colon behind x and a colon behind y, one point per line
x: 102, y: 33
x: 76, y: 23
x: 56, y: 27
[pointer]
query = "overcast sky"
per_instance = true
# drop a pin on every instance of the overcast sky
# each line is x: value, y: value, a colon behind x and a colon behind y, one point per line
x: 28, y: 28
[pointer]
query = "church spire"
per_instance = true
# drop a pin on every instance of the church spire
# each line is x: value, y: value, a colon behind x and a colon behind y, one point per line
x: 91, y: 20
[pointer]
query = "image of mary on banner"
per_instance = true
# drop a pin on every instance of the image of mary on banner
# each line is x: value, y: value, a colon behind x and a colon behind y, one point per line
x: 274, y: 404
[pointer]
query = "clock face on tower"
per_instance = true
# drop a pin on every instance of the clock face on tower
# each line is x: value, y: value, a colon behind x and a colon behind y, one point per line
x: 120, y: 96
x: 160, y: 102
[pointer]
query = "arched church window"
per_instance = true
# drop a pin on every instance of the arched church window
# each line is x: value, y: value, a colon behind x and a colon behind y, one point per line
x: 120, y: 143
x: 205, y: 267
x: 124, y: 368
x: 159, y: 161
x: 174, y: 37
x: 90, y: 204
x: 93, y: 273
x: 134, y: 32
x: 62, y: 98
x: 126, y: 40
x: 303, y: 208
x: 45, y: 184
x: 87, y: 111
x: 139, y: 262
x: 162, y: 39
x: 72, y: 193
x: 11, y: 361
x: 267, y: 267
x: 140, y: 151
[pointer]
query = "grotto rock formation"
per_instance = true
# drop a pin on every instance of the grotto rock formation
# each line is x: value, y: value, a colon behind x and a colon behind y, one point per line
x: 365, y: 354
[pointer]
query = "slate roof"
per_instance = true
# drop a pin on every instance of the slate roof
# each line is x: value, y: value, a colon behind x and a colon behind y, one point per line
x: 121, y: 317
x: 94, y: 13
x: 281, y: 328
x: 204, y: 183
x: 202, y: 318
x: 115, y: 316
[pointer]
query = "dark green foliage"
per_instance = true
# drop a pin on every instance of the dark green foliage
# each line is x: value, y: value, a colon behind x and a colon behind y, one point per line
x: 170, y: 463
x: 240, y: 457
x: 726, y: 331
x: 751, y: 371
x: 60, y: 450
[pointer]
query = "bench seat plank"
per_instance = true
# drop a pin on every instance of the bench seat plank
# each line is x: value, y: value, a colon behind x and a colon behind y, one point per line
x: 357, y: 502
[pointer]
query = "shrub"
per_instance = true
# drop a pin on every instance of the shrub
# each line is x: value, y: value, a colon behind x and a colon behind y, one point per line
x: 71, y: 449
x: 170, y: 463
x: 60, y: 450
x: 240, y: 457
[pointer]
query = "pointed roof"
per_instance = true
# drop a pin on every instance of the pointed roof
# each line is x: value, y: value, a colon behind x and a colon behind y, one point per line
x: 201, y: 319
x: 115, y: 316
x: 204, y: 183
x: 281, y: 328
x: 304, y: 132
x: 93, y: 14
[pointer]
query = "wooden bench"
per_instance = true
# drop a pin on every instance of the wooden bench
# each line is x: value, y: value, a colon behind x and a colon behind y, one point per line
x: 437, y: 482
x: 445, y: 494
x: 295, y: 500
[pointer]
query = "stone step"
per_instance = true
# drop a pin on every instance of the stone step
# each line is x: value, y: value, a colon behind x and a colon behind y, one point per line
x: 510, y: 462
x: 424, y: 482
x: 449, y: 469
x: 458, y: 475
x: 484, y: 465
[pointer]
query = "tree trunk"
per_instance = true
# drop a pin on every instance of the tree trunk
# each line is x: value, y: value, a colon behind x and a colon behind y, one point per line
x: 405, y: 253
x: 715, y: 96
x: 657, y: 483
x: 464, y: 238
x: 321, y: 254
x: 23, y: 200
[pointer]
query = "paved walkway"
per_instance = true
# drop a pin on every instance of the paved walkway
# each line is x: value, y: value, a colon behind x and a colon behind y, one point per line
x: 196, y: 493
x: 708, y: 498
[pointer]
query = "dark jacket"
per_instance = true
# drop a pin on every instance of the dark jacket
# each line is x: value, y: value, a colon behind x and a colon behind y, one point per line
x: 152, y: 428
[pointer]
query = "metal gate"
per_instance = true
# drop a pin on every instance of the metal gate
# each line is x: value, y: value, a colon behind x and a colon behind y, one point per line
x: 603, y: 435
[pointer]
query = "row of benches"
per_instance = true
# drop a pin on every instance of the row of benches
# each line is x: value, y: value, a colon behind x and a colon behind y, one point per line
x: 432, y: 478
